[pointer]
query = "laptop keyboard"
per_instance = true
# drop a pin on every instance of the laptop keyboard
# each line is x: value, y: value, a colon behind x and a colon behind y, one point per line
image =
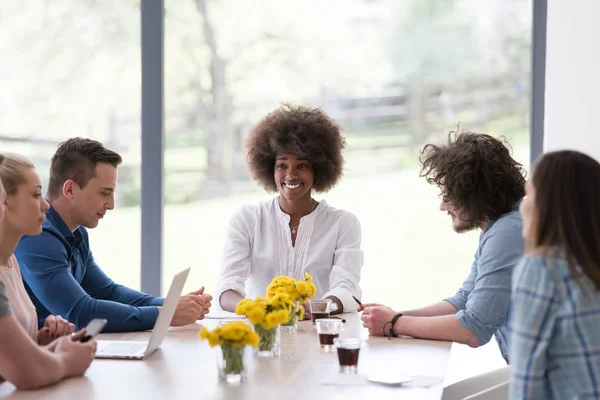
x: 121, y: 347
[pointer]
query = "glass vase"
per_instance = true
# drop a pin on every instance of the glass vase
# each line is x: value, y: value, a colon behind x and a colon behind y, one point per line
x: 231, y: 361
x: 269, y: 341
x: 292, y: 324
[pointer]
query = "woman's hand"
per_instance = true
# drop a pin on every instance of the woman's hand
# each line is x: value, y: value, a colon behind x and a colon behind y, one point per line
x: 54, y: 327
x: 75, y: 337
x: 338, y: 303
x: 76, y: 356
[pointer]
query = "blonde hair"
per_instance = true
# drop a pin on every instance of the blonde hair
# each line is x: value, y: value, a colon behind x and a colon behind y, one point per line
x: 12, y: 171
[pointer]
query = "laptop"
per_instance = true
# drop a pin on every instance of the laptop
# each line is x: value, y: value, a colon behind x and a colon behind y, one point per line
x: 138, y: 350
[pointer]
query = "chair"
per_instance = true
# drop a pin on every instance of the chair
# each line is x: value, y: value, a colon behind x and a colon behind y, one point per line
x: 480, y: 384
x: 498, y: 392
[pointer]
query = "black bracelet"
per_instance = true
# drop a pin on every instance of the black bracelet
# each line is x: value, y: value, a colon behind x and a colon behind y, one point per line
x: 393, y: 322
x: 384, y: 325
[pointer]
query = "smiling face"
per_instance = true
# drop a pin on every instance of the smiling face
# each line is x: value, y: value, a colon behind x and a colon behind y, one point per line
x: 294, y: 177
x: 26, y: 208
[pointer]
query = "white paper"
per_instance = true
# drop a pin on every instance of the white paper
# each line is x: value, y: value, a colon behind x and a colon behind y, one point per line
x: 344, y: 380
x: 222, y: 314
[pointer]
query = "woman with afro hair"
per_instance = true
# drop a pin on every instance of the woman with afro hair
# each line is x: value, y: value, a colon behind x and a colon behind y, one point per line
x: 294, y: 151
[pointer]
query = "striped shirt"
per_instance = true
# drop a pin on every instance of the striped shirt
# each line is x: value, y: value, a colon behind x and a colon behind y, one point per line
x: 554, y: 329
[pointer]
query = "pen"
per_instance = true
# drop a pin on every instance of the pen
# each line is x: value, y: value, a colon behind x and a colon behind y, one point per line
x: 357, y: 300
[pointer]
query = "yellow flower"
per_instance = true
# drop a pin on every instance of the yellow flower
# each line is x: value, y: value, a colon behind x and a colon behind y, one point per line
x: 253, y: 339
x: 307, y: 277
x: 273, y: 290
x: 204, y: 334
x: 242, y: 306
x: 256, y: 314
x: 303, y: 288
x: 281, y: 284
x: 281, y: 316
x: 271, y: 321
x: 280, y: 300
x: 300, y: 313
x: 214, y: 339
x: 305, y: 291
x: 235, y: 333
x: 271, y: 311
x: 296, y: 290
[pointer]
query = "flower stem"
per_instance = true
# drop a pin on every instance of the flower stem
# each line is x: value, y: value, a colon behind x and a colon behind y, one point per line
x: 233, y: 357
x: 293, y: 317
x: 267, y: 337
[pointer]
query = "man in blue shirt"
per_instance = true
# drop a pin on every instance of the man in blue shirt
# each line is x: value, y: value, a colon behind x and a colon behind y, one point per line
x: 481, y: 187
x: 58, y: 267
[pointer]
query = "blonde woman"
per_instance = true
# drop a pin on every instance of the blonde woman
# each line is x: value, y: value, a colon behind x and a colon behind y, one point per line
x: 27, y: 365
x: 25, y: 209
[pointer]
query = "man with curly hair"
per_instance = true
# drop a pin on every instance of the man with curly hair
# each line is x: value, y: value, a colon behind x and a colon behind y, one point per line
x: 294, y: 151
x: 481, y: 187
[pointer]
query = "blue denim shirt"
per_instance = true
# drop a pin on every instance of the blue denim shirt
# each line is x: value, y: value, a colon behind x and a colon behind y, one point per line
x: 62, y: 278
x: 484, y: 298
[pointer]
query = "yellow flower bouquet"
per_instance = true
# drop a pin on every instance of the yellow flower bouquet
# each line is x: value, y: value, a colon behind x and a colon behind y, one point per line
x: 233, y: 337
x: 299, y: 292
x: 266, y: 314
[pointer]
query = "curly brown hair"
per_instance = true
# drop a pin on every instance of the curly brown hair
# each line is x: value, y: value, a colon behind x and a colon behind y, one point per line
x: 475, y: 172
x: 305, y: 132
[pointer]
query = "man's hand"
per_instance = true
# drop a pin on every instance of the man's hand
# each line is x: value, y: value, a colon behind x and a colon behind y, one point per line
x: 207, y: 300
x: 76, y: 356
x: 191, y: 307
x: 363, y: 306
x: 54, y: 327
x: 374, y: 319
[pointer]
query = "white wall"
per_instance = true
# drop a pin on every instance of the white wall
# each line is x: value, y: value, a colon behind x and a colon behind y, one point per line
x: 572, y: 107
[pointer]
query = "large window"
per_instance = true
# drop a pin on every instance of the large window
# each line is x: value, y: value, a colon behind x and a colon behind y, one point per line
x: 395, y: 75
x: 72, y: 68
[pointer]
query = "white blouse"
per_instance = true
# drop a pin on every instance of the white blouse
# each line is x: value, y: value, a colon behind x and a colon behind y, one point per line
x: 259, y: 248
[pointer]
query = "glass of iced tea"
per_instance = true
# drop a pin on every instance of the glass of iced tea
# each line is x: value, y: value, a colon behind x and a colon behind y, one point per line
x: 328, y: 329
x: 319, y: 309
x: 348, y: 350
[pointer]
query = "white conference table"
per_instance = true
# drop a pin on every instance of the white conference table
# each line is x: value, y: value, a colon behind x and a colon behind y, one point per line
x: 185, y: 368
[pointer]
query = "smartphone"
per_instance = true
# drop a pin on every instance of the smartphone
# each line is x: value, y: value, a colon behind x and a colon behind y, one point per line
x: 93, y: 328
